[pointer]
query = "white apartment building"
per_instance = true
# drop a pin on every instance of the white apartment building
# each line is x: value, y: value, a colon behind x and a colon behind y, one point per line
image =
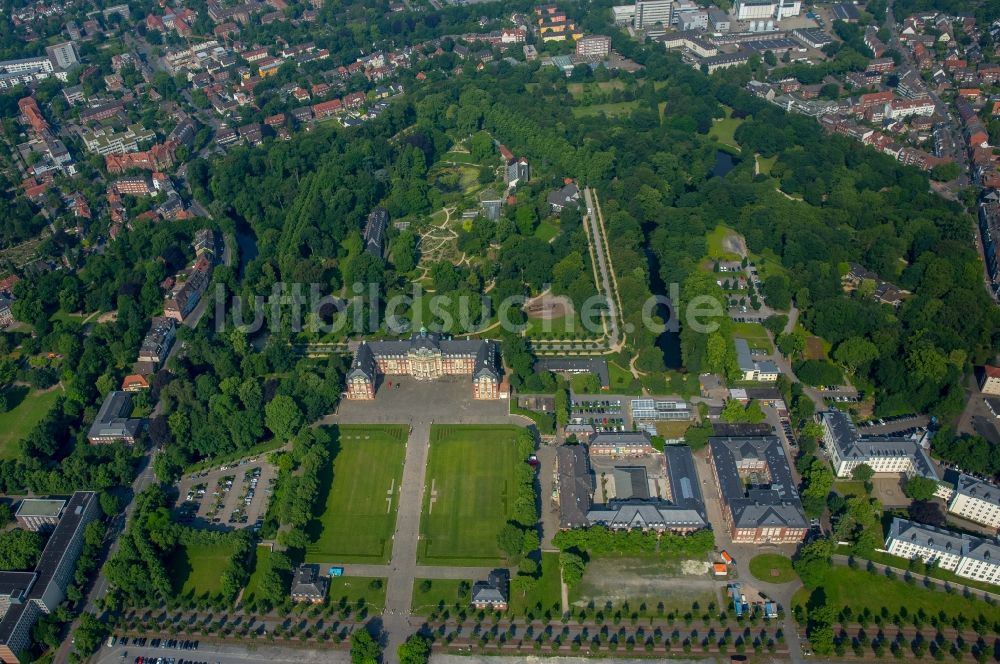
x: 884, y: 454
x: 967, y: 556
x: 971, y: 498
x: 105, y: 141
x: 750, y: 10
x: 650, y: 12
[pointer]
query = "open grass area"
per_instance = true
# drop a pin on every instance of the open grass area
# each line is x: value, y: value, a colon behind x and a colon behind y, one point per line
x: 433, y: 595
x: 546, y: 231
x: 860, y: 589
x: 578, y: 89
x: 755, y: 335
x: 614, y: 110
x: 919, y: 568
x: 724, y: 130
x: 197, y: 570
x: 544, y: 596
x: 622, y: 381
x: 261, y: 564
x: 361, y: 496
x: 460, y: 158
x: 716, y: 244
x: 772, y: 568
x: 564, y: 327
x: 18, y: 422
x: 849, y: 488
x: 358, y: 592
x: 765, y: 164
x: 469, y: 494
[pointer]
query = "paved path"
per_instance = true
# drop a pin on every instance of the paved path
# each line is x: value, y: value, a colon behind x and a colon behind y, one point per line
x: 403, y: 565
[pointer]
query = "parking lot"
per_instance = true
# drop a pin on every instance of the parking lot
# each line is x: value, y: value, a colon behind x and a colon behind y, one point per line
x: 604, y: 414
x: 229, y: 497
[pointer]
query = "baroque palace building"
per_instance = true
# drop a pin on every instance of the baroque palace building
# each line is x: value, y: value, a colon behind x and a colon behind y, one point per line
x: 426, y: 356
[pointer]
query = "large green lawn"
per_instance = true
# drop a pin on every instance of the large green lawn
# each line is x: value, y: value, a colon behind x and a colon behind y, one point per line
x: 544, y: 596
x: 860, y: 589
x: 197, y: 570
x: 716, y: 245
x: 468, y: 494
x: 263, y: 556
x: 437, y: 595
x: 724, y: 130
x: 358, y: 592
x: 18, y: 422
x: 612, y: 110
x: 772, y: 568
x: 755, y: 335
x: 361, y: 489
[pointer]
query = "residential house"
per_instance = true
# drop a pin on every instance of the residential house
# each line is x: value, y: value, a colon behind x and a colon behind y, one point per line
x: 492, y: 594
x: 308, y: 586
x: 561, y: 198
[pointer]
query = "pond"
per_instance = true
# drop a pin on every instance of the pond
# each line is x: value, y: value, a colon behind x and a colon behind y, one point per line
x: 247, y: 243
x: 724, y: 162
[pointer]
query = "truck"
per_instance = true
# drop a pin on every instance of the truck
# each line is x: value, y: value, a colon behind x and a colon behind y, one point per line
x: 726, y: 558
x: 770, y: 610
x: 336, y: 571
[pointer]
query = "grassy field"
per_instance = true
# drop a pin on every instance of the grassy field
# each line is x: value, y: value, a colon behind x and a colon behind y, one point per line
x: 611, y: 110
x: 622, y: 381
x: 358, y: 591
x: 361, y: 489
x: 724, y: 130
x: 441, y: 593
x: 18, y: 422
x: 920, y: 568
x: 577, y: 89
x: 544, y: 596
x: 765, y: 164
x: 564, y: 327
x: 469, y: 494
x: 716, y: 245
x: 755, y: 335
x: 764, y: 566
x: 849, y: 488
x: 260, y: 565
x: 859, y: 589
x: 198, y: 570
x: 546, y: 231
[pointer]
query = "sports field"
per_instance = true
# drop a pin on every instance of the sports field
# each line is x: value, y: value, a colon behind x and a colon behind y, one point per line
x: 468, y: 495
x: 361, y: 490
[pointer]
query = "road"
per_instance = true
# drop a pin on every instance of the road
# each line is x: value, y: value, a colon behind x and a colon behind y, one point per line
x: 598, y: 242
x: 145, y: 478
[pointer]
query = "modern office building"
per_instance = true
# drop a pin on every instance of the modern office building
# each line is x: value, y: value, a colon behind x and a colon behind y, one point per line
x: 25, y: 596
x: 39, y: 514
x: 64, y: 55
x: 650, y: 12
x: 594, y: 46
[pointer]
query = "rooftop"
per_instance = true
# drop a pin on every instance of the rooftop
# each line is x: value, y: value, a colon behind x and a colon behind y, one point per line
x: 47, y: 507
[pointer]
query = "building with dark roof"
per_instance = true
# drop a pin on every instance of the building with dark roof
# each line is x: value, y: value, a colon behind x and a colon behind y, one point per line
x: 576, y: 365
x: 561, y: 198
x: 759, y: 499
x: 574, y: 486
x: 375, y: 231
x: 969, y: 557
x: 113, y: 422
x: 683, y: 511
x: 426, y: 356
x: 892, y: 453
x: 308, y: 585
x: 25, y: 596
x: 159, y: 339
x: 492, y: 593
x: 971, y: 498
